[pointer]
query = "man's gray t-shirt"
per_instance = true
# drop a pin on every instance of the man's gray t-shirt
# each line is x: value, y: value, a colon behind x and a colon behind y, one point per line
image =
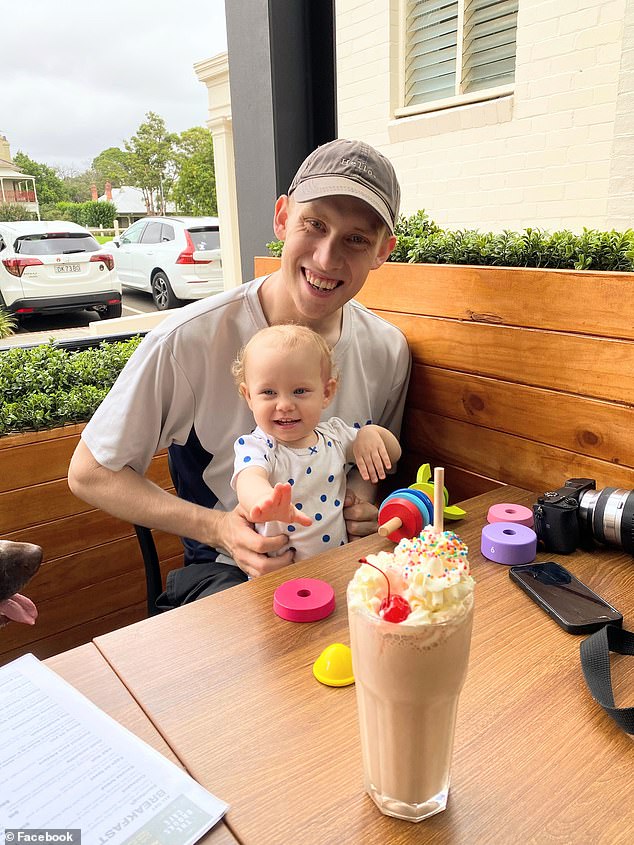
x: 177, y: 391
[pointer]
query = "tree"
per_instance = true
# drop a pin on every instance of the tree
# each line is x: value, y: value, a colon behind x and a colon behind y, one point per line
x: 49, y: 186
x: 78, y: 184
x: 152, y: 163
x: 195, y: 189
x: 112, y: 165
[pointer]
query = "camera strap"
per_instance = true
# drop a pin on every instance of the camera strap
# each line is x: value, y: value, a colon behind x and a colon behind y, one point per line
x: 595, y: 662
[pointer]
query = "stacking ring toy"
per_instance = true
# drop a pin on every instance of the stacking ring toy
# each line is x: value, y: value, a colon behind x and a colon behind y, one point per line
x: 508, y: 543
x: 407, y: 511
x: 304, y: 600
x: 404, y: 514
x: 511, y: 513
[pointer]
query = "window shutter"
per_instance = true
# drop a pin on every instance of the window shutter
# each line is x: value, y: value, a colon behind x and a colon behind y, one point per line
x: 432, y: 38
x: 489, y: 44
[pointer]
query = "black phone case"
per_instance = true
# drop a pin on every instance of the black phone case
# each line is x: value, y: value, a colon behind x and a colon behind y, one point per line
x: 566, y: 624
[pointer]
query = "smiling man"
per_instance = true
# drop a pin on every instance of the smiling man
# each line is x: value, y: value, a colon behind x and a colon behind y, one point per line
x: 337, y: 224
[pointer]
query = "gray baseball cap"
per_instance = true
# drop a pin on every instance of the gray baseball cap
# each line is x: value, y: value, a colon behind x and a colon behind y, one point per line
x: 353, y: 169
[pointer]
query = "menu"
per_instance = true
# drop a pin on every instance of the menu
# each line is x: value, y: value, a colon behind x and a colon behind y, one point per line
x: 67, y: 765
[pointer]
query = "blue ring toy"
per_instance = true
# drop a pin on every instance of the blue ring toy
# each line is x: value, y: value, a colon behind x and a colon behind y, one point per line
x: 418, y: 498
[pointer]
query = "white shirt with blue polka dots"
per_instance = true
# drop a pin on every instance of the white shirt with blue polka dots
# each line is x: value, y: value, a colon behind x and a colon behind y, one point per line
x: 317, y: 475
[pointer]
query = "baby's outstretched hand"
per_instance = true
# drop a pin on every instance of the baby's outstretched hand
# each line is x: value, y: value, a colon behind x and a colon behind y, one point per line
x: 277, y: 507
x: 370, y: 454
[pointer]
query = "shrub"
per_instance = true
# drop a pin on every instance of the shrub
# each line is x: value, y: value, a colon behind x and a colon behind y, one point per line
x: 420, y: 241
x: 99, y: 214
x: 7, y: 323
x: 275, y: 248
x: 47, y: 386
x: 11, y: 211
x: 73, y: 211
x: 91, y: 214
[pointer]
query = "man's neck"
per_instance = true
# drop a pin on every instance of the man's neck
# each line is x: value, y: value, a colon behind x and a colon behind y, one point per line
x: 279, y: 308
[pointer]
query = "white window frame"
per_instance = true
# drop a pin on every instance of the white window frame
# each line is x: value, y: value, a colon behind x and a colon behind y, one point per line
x: 459, y: 99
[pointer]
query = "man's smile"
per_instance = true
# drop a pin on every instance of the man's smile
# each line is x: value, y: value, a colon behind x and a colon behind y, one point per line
x: 322, y: 284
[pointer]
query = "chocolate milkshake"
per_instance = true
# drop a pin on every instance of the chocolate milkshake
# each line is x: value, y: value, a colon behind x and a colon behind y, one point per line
x: 409, y: 671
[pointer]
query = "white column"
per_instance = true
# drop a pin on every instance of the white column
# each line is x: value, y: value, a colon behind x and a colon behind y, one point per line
x: 214, y: 73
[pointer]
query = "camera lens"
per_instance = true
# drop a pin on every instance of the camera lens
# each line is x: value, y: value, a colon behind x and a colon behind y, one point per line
x: 609, y: 514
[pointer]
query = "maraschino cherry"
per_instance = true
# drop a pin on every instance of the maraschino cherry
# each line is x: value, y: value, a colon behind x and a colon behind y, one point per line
x: 394, y: 608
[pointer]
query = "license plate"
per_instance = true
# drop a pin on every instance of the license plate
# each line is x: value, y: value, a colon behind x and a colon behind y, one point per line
x: 68, y: 268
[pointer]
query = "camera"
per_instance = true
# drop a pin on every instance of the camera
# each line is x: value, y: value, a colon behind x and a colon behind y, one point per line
x: 578, y: 514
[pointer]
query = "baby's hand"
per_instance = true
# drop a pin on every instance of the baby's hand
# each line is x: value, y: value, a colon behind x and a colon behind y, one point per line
x: 277, y: 507
x: 370, y: 454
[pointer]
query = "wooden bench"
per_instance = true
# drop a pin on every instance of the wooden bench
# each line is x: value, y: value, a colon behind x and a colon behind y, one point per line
x: 522, y: 377
x: 519, y: 377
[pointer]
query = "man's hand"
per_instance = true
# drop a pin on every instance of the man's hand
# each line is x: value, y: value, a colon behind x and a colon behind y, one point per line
x: 248, y: 548
x: 361, y: 516
x: 277, y: 507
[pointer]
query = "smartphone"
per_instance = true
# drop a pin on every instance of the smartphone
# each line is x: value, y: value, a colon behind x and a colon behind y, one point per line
x: 565, y: 598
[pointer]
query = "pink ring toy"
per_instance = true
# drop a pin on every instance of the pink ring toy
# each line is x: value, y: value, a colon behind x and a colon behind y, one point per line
x: 506, y: 512
x: 304, y: 600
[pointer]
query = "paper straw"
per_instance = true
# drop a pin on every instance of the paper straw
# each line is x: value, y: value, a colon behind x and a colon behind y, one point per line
x: 439, y: 498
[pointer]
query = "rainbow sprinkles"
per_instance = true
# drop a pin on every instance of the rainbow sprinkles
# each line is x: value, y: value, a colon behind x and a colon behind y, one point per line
x: 431, y: 571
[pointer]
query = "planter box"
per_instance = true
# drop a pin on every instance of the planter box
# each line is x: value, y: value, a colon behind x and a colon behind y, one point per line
x: 520, y: 376
x: 92, y: 578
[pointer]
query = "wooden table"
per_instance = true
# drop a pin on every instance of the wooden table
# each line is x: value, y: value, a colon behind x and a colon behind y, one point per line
x: 88, y: 672
x: 230, y: 686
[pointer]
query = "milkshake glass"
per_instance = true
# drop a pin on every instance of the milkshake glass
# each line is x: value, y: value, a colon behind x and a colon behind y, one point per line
x: 409, y: 674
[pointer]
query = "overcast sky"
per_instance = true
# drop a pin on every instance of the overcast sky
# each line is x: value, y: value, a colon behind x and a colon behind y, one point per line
x: 78, y: 76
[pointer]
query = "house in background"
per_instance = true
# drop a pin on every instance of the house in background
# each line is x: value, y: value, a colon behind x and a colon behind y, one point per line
x: 16, y: 186
x: 129, y: 203
x: 496, y: 115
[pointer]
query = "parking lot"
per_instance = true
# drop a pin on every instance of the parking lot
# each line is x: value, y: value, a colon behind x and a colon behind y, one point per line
x: 39, y: 329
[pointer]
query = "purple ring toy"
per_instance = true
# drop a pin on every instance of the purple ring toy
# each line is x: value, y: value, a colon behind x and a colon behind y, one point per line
x: 509, y: 543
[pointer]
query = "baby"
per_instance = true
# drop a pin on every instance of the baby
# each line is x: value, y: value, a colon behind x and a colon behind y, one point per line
x: 290, y: 472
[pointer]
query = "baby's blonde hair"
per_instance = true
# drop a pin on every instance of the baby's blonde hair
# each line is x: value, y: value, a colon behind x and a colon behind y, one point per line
x: 287, y: 336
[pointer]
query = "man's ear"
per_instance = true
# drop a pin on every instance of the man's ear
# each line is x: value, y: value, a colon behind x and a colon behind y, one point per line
x: 244, y: 392
x: 385, y: 249
x: 280, y: 218
x: 330, y: 388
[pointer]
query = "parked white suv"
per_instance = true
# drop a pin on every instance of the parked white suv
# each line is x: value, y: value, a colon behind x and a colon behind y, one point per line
x: 53, y: 266
x: 176, y: 259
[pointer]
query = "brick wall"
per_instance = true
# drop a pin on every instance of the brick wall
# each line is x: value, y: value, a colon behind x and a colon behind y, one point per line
x: 558, y: 152
x: 621, y: 187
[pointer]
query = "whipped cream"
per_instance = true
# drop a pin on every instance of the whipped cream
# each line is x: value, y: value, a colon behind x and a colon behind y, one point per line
x: 430, y: 571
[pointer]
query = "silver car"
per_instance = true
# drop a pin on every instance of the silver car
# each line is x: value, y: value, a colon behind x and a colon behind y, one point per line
x: 52, y: 266
x: 176, y: 259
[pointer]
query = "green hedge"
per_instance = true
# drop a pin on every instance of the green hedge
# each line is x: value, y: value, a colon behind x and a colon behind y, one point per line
x: 91, y: 214
x: 46, y: 386
x: 420, y: 241
x: 11, y: 211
